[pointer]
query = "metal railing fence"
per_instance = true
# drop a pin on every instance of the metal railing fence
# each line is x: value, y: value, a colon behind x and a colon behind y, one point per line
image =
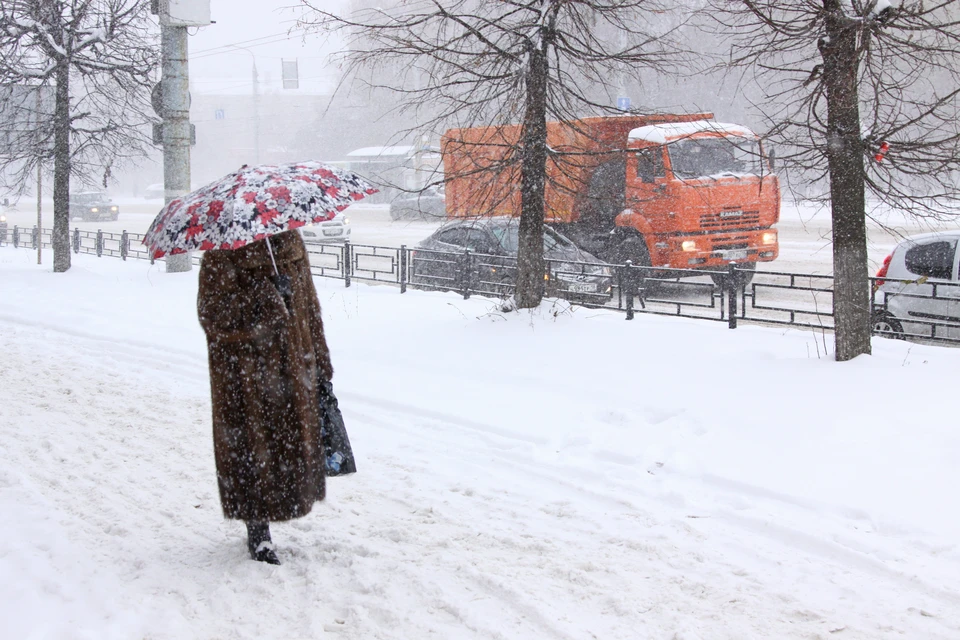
x: 919, y: 309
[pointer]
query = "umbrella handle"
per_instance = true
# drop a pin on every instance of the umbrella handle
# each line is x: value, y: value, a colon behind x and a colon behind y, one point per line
x: 270, y: 251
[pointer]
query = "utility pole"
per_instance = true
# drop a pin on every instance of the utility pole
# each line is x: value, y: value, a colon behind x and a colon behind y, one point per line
x: 256, y: 113
x: 175, y: 92
x: 256, y: 105
x: 176, y: 132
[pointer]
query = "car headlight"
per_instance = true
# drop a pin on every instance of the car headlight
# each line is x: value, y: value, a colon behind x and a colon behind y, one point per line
x: 94, y: 210
x: 113, y: 208
x: 769, y: 237
x: 3, y: 218
x: 346, y: 220
x: 688, y: 245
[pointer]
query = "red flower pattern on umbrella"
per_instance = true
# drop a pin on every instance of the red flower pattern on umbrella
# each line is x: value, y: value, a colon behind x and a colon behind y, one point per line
x: 251, y: 204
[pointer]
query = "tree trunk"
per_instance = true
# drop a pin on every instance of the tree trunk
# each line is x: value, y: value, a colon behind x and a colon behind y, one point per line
x: 61, y: 172
x: 530, y: 262
x: 851, y: 288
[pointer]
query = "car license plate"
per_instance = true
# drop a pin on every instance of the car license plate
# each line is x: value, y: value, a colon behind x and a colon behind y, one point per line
x: 736, y: 255
x: 332, y: 232
x: 582, y: 287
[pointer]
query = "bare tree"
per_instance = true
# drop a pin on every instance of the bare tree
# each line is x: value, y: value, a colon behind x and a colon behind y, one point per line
x: 864, y: 94
x: 465, y: 63
x: 99, y: 56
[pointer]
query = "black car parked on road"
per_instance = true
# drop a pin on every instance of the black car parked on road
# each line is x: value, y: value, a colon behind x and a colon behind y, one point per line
x: 439, y: 261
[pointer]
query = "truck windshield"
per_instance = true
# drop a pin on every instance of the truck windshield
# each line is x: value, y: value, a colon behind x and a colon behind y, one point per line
x: 509, y: 238
x: 702, y: 157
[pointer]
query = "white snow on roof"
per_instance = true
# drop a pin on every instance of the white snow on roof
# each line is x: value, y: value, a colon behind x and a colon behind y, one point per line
x: 404, y: 150
x: 661, y: 133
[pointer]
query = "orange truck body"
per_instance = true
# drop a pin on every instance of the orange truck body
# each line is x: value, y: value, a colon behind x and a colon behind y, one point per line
x: 685, y: 222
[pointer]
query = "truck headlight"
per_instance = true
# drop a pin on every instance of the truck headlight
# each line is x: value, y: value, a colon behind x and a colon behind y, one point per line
x: 94, y: 210
x: 688, y: 245
x: 769, y: 237
x: 113, y: 208
x: 3, y: 218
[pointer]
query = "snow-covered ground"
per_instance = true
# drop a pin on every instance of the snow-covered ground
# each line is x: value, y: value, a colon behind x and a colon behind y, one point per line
x: 557, y: 475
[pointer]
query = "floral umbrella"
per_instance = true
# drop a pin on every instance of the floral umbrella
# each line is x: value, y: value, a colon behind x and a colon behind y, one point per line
x: 251, y: 204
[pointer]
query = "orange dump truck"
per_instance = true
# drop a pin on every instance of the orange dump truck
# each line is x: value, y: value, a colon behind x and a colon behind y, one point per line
x: 680, y: 191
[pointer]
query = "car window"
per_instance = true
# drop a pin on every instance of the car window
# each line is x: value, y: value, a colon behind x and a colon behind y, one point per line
x: 932, y: 259
x: 478, y: 240
x: 88, y: 198
x: 508, y: 237
x: 451, y: 236
x: 553, y: 240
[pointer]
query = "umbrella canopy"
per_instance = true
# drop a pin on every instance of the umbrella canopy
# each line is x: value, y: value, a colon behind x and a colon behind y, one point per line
x: 251, y: 204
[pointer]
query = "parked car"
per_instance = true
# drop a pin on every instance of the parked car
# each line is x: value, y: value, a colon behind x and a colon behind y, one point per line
x: 154, y: 191
x: 430, y: 204
x: 919, y: 293
x: 92, y: 205
x: 572, y: 273
x: 336, y: 229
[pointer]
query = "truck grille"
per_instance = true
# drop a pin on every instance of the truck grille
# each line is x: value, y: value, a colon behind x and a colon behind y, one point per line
x: 730, y: 245
x: 730, y: 219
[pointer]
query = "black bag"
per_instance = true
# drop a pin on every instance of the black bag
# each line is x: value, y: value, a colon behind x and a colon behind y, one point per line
x: 337, y: 453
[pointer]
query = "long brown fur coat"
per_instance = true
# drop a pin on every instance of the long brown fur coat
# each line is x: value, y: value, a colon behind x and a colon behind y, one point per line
x: 265, y: 363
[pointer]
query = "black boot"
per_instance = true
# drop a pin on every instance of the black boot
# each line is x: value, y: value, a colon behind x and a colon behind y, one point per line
x: 259, y: 544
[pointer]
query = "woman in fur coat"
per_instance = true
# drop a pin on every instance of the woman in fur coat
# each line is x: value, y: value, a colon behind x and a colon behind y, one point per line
x: 267, y: 354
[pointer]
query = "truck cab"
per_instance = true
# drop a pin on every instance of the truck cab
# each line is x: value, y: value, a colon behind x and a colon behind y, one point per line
x: 701, y: 194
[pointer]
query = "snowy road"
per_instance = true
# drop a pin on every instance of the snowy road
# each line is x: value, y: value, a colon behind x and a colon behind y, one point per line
x: 805, y: 245
x: 508, y: 488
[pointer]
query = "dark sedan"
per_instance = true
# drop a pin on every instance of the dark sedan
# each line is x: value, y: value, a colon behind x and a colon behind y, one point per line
x: 439, y: 261
x: 93, y: 205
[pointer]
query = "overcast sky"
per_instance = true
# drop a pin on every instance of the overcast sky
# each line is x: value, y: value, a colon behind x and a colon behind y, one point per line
x: 260, y: 26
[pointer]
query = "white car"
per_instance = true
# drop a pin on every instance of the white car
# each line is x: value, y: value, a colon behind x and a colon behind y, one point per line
x: 918, y: 293
x: 154, y: 191
x: 336, y: 229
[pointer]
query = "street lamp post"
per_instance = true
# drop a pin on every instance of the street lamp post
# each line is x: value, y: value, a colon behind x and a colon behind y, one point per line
x: 256, y: 105
x: 175, y: 130
x: 176, y: 125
